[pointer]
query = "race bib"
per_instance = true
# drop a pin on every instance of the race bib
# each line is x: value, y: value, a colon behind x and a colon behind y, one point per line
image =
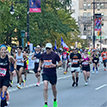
x: 75, y: 61
x: 95, y: 60
x: 47, y: 63
x: 85, y: 63
x: 2, y: 72
x: 65, y: 56
x: 37, y: 60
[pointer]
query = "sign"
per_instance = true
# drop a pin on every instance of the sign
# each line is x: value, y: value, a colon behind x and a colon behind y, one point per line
x: 97, y: 22
x: 35, y: 6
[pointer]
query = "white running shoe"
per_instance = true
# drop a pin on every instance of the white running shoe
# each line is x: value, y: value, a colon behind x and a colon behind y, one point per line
x: 96, y: 72
x: 93, y: 72
x: 86, y: 83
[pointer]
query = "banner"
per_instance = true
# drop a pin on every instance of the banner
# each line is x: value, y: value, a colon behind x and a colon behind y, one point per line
x: 97, y: 22
x: 35, y: 6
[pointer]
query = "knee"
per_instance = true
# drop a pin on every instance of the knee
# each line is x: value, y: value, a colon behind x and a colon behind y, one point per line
x: 45, y: 88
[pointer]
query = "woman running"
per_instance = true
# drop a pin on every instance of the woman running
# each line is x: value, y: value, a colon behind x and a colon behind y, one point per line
x: 86, y: 66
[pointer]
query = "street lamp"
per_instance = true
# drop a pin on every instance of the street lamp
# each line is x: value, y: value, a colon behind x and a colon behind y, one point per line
x: 22, y: 36
x: 12, y: 10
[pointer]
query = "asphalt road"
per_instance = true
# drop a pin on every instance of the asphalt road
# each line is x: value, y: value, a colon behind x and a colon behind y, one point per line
x: 93, y: 95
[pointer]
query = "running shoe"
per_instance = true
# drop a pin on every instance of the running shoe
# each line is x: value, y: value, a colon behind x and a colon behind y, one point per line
x: 93, y: 72
x: 11, y: 83
x: 73, y: 84
x: 19, y: 86
x: 104, y: 69
x: 96, y: 71
x: 86, y: 83
x: 55, y: 104
x: 38, y: 84
x: 45, y: 105
x: 76, y: 84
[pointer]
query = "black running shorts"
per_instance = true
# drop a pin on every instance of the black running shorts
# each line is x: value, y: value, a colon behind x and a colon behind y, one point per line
x: 52, y: 79
x: 4, y: 81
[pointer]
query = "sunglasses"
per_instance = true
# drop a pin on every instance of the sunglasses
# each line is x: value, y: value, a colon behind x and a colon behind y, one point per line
x: 48, y: 48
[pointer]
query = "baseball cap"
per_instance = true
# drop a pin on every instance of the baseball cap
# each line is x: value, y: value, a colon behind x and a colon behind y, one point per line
x: 48, y: 45
x: 37, y: 46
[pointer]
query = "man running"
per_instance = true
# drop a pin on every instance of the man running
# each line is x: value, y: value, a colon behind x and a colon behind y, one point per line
x: 48, y: 61
x: 104, y: 56
x: 36, y: 56
x: 20, y: 65
x: 75, y: 66
x: 5, y: 60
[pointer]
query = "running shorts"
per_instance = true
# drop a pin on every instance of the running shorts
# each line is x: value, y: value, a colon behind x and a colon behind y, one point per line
x: 86, y: 68
x: 36, y: 67
x: 18, y: 67
x: 75, y: 69
x: 4, y: 81
x: 52, y: 79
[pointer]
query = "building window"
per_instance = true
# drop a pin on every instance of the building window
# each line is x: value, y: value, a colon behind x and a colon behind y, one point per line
x: 89, y: 6
x: 102, y: 6
x: 85, y: 14
x: 89, y: 14
x: 85, y: 6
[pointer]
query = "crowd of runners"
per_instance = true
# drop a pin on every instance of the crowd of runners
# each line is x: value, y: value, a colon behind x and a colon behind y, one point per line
x: 46, y: 62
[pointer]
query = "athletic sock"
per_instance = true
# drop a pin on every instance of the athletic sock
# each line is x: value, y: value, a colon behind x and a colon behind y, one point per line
x: 93, y: 68
x: 55, y: 99
x: 96, y: 68
x: 77, y: 79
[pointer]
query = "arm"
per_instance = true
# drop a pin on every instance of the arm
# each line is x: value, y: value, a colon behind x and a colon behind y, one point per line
x: 40, y: 65
x: 25, y: 56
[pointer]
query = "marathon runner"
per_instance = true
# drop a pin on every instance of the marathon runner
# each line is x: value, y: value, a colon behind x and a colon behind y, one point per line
x: 86, y: 66
x: 75, y: 66
x: 104, y: 56
x: 48, y: 61
x: 36, y: 56
x: 95, y: 61
x: 20, y: 65
x: 65, y: 60
x: 5, y: 60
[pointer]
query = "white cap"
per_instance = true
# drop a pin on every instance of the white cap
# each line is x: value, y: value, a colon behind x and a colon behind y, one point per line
x: 48, y: 45
x: 37, y: 46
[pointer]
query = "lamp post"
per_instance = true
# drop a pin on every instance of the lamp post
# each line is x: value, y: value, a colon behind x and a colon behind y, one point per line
x: 22, y: 36
x: 94, y: 37
x: 12, y: 12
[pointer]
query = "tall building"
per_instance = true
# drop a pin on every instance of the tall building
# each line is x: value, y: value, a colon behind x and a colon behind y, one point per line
x: 85, y: 20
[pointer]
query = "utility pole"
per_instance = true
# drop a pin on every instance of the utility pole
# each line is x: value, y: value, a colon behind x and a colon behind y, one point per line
x: 28, y: 23
x: 94, y: 24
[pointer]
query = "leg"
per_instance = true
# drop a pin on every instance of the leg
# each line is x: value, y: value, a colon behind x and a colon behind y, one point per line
x: 3, y: 96
x: 88, y: 75
x: 45, y: 91
x: 54, y: 91
x: 20, y: 75
x: 93, y: 67
x: 85, y: 75
x: 73, y: 78
x: 77, y: 78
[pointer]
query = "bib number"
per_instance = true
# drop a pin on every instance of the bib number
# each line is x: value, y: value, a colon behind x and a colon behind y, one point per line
x: 75, y: 61
x: 47, y: 63
x: 2, y: 72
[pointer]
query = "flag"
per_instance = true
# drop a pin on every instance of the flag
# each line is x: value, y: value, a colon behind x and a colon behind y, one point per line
x: 55, y: 48
x: 35, y: 6
x: 63, y: 43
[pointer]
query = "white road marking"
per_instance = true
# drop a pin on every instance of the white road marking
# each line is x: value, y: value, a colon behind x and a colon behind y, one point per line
x: 32, y: 85
x: 98, y: 88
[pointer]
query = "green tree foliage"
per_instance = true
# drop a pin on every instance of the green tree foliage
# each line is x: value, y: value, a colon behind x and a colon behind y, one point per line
x: 53, y: 22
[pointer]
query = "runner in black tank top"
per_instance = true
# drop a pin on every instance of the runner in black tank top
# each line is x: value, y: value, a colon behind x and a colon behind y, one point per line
x: 4, y: 73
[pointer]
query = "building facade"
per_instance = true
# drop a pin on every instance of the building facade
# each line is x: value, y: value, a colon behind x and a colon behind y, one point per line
x: 85, y: 21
